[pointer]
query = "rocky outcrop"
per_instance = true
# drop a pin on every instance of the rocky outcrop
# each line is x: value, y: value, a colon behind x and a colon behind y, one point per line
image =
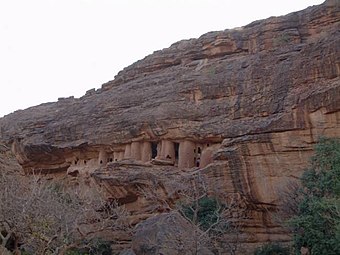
x: 243, y: 107
x: 143, y: 189
x: 262, y: 78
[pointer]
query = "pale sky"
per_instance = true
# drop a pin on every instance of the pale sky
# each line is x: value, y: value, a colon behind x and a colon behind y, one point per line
x: 61, y: 48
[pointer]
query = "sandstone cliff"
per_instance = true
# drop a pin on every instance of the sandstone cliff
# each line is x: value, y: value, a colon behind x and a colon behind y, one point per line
x: 243, y: 106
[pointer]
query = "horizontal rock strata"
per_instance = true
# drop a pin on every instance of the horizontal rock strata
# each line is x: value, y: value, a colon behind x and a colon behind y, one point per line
x: 243, y: 107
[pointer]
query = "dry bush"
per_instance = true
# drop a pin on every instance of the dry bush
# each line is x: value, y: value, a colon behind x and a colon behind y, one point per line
x: 44, y: 218
x: 217, y: 228
x: 290, y: 199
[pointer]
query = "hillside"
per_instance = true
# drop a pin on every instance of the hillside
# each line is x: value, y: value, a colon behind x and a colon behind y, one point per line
x: 242, y: 107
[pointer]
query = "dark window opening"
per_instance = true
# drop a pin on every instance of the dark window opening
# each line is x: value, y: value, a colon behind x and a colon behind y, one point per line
x: 153, y: 150
x: 85, y: 162
x: 176, y: 150
x: 111, y: 159
x: 168, y: 157
x: 194, y: 150
x: 76, y: 162
x: 74, y: 173
x: 199, y: 150
x: 101, y: 162
x: 116, y: 159
x: 197, y: 163
x: 208, y: 145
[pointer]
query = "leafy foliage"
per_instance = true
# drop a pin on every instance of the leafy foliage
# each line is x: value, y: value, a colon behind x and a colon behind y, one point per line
x: 317, y: 225
x: 272, y: 249
x: 100, y: 247
x: 215, y: 227
x: 204, y: 211
x: 76, y: 252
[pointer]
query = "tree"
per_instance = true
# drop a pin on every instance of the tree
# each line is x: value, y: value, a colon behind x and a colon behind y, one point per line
x: 43, y: 218
x: 214, y: 224
x: 218, y: 228
x: 317, y: 223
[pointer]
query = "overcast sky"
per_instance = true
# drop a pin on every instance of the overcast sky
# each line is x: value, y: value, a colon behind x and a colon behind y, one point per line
x: 61, y: 48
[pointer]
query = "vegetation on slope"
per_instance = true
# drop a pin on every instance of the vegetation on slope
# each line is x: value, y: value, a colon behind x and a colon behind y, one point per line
x: 317, y: 224
x: 312, y: 208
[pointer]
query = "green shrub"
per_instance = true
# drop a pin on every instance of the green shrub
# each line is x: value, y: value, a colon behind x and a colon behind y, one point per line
x: 272, y: 249
x: 26, y: 253
x: 317, y: 225
x: 205, y: 211
x: 100, y: 247
x: 76, y: 252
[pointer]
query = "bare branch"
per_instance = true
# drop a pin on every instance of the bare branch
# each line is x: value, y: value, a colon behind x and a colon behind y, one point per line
x: 45, y: 217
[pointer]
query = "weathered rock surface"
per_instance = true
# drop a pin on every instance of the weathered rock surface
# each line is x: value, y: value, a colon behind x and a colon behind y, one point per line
x: 244, y: 105
x: 143, y: 190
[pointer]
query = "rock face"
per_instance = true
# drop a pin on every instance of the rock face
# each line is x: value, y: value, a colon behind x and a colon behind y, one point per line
x: 243, y: 106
